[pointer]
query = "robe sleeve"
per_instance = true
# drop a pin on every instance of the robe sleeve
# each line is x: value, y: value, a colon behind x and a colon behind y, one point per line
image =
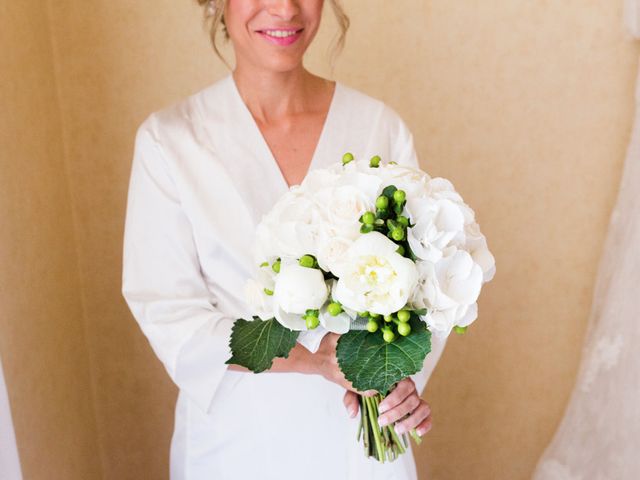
x: 404, y: 153
x: 162, y: 282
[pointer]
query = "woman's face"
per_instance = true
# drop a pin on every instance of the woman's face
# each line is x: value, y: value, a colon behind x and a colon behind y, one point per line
x: 272, y: 34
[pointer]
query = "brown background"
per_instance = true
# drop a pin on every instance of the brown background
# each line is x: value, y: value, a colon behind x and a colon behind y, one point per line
x: 525, y: 105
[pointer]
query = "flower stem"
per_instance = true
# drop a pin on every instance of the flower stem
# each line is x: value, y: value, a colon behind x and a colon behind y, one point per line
x: 383, y: 443
x: 373, y: 420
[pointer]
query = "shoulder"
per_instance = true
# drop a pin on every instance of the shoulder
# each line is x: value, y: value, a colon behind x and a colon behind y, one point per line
x: 182, y: 120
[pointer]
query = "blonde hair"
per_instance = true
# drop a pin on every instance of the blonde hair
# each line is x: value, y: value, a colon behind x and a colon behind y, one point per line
x: 214, y: 19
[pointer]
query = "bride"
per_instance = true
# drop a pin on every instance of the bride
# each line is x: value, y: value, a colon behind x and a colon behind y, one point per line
x: 204, y: 171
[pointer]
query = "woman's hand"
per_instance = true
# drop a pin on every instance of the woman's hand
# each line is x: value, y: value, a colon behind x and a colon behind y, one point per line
x: 326, y: 364
x: 403, y: 399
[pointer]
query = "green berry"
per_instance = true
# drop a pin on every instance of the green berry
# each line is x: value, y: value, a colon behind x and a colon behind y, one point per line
x: 363, y: 314
x: 382, y: 202
x: 404, y: 329
x: 389, y: 336
x: 346, y: 158
x: 264, y: 264
x: 307, y: 261
x: 397, y: 235
x: 402, y: 220
x: 374, y: 315
x: 404, y: 316
x: 375, y: 161
x: 334, y: 308
x: 460, y: 330
x: 368, y: 218
x: 268, y: 292
x: 276, y: 266
x: 400, y: 250
x: 312, y: 322
x: 372, y: 326
x: 388, y: 318
x: 399, y: 196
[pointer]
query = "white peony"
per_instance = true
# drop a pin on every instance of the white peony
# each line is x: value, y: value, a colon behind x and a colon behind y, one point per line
x: 448, y: 289
x: 476, y: 245
x: 375, y: 278
x: 436, y: 223
x: 442, y: 322
x: 298, y: 289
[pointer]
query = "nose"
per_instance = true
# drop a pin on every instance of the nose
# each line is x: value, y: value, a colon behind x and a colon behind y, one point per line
x: 284, y: 9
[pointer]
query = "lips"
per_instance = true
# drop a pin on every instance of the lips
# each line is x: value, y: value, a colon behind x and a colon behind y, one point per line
x: 281, y: 36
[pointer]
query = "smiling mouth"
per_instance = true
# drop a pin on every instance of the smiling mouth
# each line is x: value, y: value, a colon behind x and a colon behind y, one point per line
x: 281, y: 37
x: 283, y: 33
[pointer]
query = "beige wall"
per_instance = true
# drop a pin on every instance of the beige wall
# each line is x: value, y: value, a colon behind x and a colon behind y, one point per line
x: 42, y: 338
x: 526, y: 106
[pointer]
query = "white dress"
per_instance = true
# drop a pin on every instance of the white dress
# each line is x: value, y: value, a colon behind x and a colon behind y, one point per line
x: 201, y: 178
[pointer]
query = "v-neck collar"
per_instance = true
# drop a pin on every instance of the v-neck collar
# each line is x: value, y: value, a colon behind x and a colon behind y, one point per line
x: 262, y: 142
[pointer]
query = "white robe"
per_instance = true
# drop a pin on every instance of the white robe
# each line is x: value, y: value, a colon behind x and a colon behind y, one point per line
x: 202, y: 177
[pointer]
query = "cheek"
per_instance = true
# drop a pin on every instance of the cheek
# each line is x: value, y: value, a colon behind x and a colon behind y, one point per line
x: 237, y: 14
x: 312, y: 13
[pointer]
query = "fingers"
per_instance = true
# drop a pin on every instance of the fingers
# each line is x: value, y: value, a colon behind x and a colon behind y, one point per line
x: 408, y: 405
x: 424, y: 426
x: 416, y: 418
x: 403, y: 389
x: 351, y: 403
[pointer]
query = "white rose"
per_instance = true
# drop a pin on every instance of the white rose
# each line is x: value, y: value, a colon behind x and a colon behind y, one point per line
x: 436, y: 223
x: 298, y: 289
x: 412, y: 180
x: 290, y: 229
x: 341, y: 208
x: 332, y: 253
x: 318, y: 179
x: 375, y: 278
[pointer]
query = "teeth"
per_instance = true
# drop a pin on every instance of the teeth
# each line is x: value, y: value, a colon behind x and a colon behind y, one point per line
x: 280, y: 33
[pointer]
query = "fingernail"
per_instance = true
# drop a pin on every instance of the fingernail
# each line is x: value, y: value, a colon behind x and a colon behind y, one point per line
x: 400, y: 429
x: 382, y: 408
x: 352, y: 412
x: 382, y: 421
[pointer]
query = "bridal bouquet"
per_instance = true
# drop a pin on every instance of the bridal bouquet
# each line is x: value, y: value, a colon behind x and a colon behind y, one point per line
x: 377, y: 252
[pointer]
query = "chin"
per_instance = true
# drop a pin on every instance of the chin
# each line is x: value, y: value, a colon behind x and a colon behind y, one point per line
x: 282, y: 65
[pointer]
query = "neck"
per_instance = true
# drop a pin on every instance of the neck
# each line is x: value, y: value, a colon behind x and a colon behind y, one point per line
x: 272, y: 95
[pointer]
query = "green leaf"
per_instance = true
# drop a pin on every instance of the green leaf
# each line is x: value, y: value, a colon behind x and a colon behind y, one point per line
x: 370, y: 363
x: 254, y: 344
